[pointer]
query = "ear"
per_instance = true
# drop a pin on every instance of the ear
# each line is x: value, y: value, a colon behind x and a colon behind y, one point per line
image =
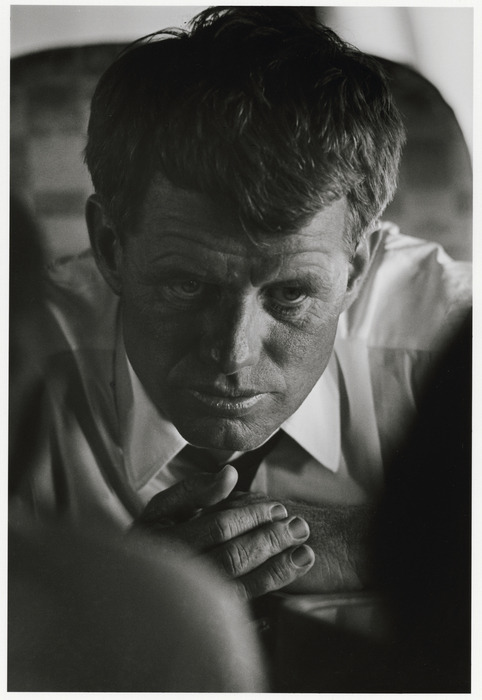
x: 358, y: 267
x: 105, y: 243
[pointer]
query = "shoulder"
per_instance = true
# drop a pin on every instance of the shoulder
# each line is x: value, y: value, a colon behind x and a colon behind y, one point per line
x: 78, y: 370
x: 82, y: 306
x: 414, y: 295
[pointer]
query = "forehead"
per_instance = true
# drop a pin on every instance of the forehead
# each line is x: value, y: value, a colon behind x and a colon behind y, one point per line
x: 174, y: 220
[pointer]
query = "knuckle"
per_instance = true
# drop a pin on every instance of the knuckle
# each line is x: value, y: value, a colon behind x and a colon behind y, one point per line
x: 220, y: 529
x: 278, y: 574
x: 257, y: 513
x: 275, y: 539
x: 228, y: 563
x: 254, y: 514
x: 242, y: 556
x: 234, y: 560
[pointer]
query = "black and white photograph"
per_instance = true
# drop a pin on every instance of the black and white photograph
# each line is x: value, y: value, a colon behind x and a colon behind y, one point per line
x: 240, y: 349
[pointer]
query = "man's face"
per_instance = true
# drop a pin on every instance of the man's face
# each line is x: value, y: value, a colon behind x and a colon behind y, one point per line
x: 228, y: 336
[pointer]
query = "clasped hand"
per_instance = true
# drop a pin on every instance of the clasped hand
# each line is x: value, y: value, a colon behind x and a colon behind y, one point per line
x: 249, y: 538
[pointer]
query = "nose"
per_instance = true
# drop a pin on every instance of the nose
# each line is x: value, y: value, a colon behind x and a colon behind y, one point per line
x: 233, y: 336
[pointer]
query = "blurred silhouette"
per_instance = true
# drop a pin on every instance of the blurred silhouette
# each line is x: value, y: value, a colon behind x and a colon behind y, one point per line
x: 91, y: 615
x: 424, y: 540
x: 27, y: 336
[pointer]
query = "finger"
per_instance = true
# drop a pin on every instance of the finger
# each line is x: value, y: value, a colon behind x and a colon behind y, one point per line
x: 207, y: 531
x: 238, y: 498
x: 276, y: 573
x: 246, y: 496
x: 249, y: 551
x: 185, y: 497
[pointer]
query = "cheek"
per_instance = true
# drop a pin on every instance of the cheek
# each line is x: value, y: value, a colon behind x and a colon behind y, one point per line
x: 156, y: 339
x: 302, y: 354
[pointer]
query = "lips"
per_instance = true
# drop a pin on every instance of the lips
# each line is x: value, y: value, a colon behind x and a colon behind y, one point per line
x: 227, y: 402
x: 226, y: 393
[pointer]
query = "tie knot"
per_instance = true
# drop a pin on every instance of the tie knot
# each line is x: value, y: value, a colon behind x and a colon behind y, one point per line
x: 246, y: 463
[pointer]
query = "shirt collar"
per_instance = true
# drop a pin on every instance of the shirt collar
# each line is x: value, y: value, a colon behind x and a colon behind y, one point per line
x: 315, y: 426
x: 150, y: 441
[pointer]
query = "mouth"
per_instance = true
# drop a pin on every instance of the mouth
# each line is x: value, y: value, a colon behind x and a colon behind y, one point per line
x: 230, y: 402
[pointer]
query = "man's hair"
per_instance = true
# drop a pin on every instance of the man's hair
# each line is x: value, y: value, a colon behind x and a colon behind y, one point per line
x: 261, y: 108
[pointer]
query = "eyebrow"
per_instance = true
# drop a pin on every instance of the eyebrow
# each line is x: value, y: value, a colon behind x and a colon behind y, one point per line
x: 310, y: 282
x: 172, y: 266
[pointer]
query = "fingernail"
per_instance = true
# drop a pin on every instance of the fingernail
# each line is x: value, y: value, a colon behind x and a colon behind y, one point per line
x: 298, y: 528
x: 302, y: 556
x: 278, y: 512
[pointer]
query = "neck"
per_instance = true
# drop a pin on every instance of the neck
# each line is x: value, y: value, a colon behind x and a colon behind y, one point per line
x: 221, y: 457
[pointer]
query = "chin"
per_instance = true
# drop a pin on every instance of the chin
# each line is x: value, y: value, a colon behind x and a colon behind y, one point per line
x: 235, y: 436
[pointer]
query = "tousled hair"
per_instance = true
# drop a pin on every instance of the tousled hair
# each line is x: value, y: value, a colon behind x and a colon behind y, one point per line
x: 260, y: 108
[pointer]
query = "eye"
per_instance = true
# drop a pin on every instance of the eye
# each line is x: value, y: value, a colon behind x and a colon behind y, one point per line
x: 288, y: 296
x: 186, y: 289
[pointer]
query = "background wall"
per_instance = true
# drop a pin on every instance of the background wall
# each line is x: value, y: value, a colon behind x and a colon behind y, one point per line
x: 36, y: 27
x: 437, y: 41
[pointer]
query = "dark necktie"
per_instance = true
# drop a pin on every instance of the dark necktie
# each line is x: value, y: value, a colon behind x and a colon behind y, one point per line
x: 246, y: 465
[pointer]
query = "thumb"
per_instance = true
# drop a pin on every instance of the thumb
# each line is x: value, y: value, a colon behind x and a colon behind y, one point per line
x: 181, y: 500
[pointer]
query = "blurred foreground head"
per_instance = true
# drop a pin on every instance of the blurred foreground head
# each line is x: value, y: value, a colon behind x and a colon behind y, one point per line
x: 424, y: 544
x: 87, y: 614
x: 258, y: 108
